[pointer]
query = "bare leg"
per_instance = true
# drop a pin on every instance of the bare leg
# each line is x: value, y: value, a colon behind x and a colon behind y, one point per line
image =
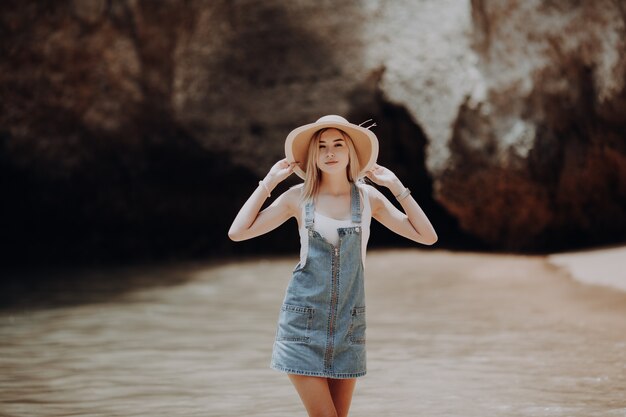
x: 341, y: 390
x: 315, y: 395
x: 323, y: 397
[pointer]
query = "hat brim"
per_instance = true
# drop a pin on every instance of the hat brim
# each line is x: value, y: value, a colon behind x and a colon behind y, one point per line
x: 364, y: 140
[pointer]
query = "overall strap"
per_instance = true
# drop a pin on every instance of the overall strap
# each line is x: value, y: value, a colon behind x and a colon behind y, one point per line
x: 355, y: 204
x: 309, y: 214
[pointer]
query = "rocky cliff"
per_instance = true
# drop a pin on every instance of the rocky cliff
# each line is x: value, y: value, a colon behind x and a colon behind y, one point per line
x: 136, y: 129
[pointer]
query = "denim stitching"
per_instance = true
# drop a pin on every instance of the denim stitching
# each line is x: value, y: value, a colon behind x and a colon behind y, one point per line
x: 308, y: 311
x: 356, y: 312
x: 317, y: 373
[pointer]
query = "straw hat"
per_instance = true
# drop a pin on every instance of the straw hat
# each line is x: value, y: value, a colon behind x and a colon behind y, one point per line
x: 364, y: 140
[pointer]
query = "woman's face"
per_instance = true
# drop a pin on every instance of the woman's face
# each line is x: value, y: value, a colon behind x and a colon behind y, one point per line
x: 333, y: 156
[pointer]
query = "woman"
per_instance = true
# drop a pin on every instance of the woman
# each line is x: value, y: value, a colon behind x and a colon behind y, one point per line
x: 320, y: 339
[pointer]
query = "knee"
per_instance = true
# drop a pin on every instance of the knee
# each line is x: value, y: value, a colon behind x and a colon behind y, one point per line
x: 325, y: 413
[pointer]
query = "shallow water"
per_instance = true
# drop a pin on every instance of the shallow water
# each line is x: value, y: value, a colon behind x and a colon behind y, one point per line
x: 448, y: 335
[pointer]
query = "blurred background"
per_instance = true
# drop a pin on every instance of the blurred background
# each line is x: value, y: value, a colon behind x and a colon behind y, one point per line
x: 134, y: 130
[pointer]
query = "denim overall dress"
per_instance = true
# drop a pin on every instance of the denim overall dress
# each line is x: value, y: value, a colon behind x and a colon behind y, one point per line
x: 321, y: 325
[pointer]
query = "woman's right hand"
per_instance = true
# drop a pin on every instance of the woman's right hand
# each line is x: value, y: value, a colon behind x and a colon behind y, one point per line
x: 278, y: 173
x: 250, y: 222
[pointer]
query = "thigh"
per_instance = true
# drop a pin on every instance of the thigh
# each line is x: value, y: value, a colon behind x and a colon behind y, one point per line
x: 341, y: 391
x: 315, y: 394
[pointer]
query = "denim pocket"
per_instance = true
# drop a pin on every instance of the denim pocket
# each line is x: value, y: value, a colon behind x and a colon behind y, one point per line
x: 356, y: 334
x: 294, y: 323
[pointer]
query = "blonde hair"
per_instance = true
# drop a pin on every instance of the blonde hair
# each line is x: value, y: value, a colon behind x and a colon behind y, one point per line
x: 313, y: 176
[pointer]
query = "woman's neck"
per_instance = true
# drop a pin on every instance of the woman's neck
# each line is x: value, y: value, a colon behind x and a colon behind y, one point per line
x: 334, y: 184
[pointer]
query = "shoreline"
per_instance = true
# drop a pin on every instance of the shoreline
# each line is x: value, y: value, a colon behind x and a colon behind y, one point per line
x: 604, y: 267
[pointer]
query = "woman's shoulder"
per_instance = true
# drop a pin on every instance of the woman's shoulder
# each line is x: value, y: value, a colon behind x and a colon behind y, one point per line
x: 298, y: 187
x: 363, y: 186
x: 368, y: 190
x: 293, y: 194
x: 295, y: 191
x: 373, y: 195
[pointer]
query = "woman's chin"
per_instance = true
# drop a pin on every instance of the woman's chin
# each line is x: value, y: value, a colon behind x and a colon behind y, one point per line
x: 334, y: 169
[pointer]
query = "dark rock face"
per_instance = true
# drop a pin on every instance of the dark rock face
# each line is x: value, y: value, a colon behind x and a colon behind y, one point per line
x: 131, y: 129
x: 134, y: 131
x: 540, y: 161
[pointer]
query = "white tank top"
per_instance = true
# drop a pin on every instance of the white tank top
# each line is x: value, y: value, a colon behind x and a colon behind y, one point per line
x: 327, y: 227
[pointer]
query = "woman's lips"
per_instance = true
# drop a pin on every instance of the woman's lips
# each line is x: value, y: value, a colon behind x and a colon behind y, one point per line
x: 331, y: 162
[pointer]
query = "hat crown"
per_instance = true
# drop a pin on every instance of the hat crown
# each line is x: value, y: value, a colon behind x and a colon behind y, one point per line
x: 332, y: 118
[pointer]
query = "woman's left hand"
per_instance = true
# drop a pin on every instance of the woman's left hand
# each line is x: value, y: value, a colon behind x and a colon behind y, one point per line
x: 384, y: 177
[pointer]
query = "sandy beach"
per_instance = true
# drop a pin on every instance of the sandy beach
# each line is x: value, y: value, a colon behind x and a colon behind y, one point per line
x: 449, y: 334
x: 606, y: 267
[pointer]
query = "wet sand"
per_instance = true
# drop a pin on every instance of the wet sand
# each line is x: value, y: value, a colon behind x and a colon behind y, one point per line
x: 449, y: 334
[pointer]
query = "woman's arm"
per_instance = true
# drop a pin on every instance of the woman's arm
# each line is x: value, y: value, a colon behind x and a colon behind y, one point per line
x: 414, y: 224
x: 249, y: 222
